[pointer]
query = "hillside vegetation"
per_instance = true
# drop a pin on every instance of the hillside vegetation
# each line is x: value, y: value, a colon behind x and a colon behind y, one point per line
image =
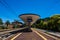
x: 50, y: 23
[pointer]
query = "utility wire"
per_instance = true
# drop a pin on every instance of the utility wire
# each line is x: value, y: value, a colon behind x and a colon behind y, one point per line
x: 14, y: 13
x: 4, y: 3
x: 11, y: 8
x: 5, y: 6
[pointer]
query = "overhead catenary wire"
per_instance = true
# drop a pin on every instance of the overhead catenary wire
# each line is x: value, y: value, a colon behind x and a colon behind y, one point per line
x: 5, y: 4
x: 14, y: 13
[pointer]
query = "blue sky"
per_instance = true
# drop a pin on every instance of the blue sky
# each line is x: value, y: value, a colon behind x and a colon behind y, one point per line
x: 10, y: 9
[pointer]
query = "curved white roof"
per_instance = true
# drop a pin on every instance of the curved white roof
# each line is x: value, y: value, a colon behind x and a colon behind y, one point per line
x: 25, y: 16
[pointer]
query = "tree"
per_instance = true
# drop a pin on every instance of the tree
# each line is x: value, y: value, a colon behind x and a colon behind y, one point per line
x: 1, y: 22
x: 7, y: 22
x: 50, y: 23
x: 56, y: 19
x: 16, y: 24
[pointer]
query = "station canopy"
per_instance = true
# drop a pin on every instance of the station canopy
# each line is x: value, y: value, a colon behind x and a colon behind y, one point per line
x: 29, y: 17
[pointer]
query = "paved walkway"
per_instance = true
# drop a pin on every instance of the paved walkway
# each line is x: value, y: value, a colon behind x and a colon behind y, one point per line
x: 57, y: 34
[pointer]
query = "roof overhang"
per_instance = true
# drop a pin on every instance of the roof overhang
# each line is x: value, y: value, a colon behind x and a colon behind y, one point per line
x: 34, y: 17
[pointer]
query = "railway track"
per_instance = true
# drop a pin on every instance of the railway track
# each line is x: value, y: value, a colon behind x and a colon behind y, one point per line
x: 6, y: 34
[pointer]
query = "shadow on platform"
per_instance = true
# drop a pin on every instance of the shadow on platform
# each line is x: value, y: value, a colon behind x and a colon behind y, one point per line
x: 23, y: 30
